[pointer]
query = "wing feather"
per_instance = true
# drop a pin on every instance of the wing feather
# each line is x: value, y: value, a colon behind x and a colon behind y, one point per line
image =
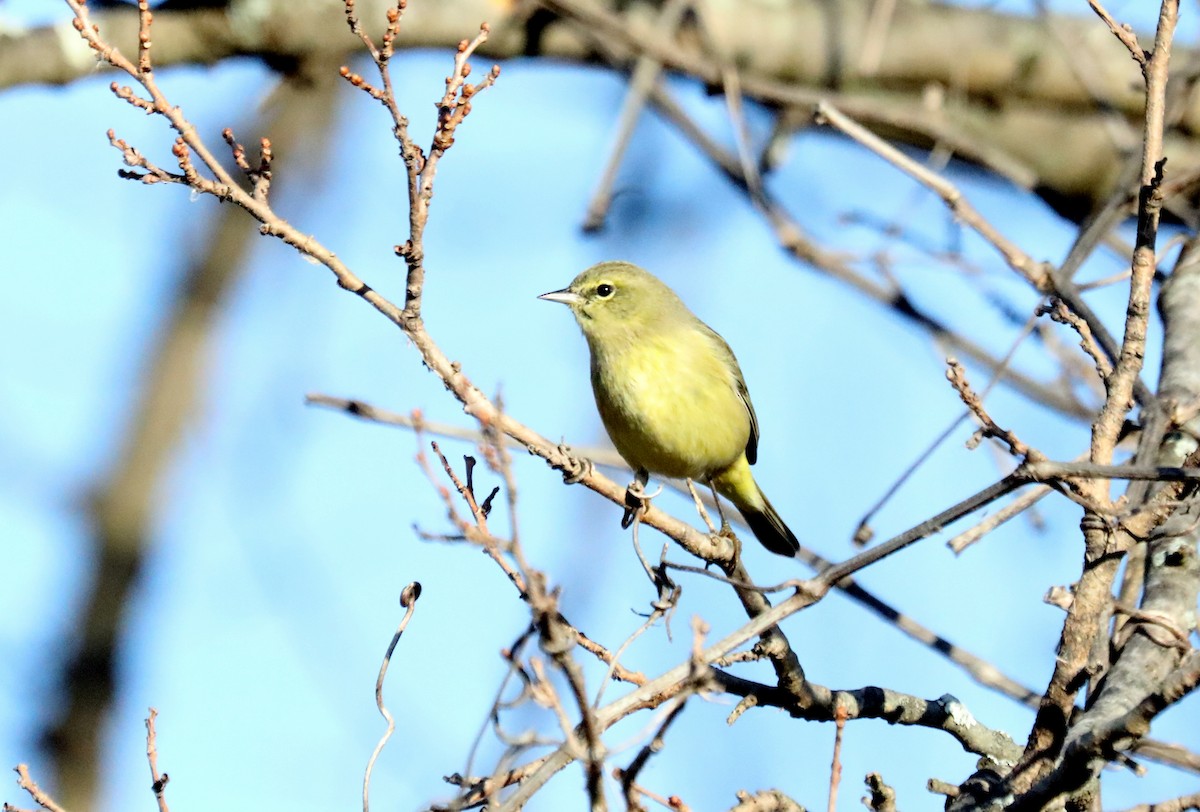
x: 739, y: 384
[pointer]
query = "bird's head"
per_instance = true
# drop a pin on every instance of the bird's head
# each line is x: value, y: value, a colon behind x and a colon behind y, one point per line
x: 617, y: 298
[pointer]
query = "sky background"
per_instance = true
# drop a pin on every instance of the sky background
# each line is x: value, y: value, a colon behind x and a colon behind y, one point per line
x: 284, y: 533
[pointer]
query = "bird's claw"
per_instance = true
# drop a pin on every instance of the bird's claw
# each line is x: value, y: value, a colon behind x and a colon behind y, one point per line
x: 637, y: 502
x: 574, y: 469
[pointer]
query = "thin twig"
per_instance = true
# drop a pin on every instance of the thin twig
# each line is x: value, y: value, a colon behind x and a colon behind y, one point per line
x: 835, y: 768
x: 1122, y: 32
x: 1059, y: 312
x: 512, y: 656
x: 1016, y: 507
x: 40, y: 796
x: 863, y: 532
x: 1036, y: 273
x: 989, y: 428
x: 158, y: 780
x: 408, y: 600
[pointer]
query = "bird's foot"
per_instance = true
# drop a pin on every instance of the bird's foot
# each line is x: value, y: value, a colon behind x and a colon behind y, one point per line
x: 574, y: 469
x: 726, y: 531
x: 637, y: 501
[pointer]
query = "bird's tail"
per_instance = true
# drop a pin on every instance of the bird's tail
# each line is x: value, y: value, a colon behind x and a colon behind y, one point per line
x: 738, y: 486
x: 769, y: 528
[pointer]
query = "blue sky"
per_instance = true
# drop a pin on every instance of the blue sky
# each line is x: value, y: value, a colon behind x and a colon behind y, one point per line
x: 284, y: 533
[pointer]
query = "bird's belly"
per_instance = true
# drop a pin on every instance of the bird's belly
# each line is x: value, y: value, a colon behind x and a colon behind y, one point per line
x: 673, y: 413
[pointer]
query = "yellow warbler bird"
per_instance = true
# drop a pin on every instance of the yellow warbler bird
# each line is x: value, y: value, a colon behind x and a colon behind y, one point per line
x: 669, y: 390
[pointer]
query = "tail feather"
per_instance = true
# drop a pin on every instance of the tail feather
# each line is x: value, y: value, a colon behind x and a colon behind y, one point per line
x: 737, y: 484
x: 769, y: 528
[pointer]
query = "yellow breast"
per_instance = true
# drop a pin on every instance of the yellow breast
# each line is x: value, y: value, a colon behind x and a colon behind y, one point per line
x: 670, y: 404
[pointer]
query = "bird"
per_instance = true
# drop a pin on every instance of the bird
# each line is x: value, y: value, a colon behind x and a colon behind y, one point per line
x: 669, y: 391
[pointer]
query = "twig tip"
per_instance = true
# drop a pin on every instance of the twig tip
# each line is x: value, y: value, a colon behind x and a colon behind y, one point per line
x: 410, y: 594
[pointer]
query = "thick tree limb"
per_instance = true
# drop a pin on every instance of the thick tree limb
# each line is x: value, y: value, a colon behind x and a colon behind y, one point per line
x: 1019, y: 107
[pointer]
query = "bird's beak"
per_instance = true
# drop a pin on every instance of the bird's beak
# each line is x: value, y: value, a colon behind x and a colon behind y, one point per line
x: 564, y: 296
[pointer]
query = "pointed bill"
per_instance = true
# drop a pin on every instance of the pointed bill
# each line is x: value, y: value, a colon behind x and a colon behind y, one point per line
x: 564, y: 296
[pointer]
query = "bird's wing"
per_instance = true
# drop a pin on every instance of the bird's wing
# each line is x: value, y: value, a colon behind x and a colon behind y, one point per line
x: 739, y: 384
x: 752, y: 443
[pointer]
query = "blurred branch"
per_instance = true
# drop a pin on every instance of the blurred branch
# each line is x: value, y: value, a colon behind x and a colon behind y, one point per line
x: 124, y: 499
x: 1035, y: 273
x: 1048, y: 133
x: 863, y: 533
x: 1185, y: 803
x: 769, y: 800
x: 972, y: 132
x: 628, y: 776
x: 643, y: 77
x: 835, y: 770
x: 1167, y: 753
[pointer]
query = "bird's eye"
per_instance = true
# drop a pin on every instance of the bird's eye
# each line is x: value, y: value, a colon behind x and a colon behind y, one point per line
x: 605, y: 290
